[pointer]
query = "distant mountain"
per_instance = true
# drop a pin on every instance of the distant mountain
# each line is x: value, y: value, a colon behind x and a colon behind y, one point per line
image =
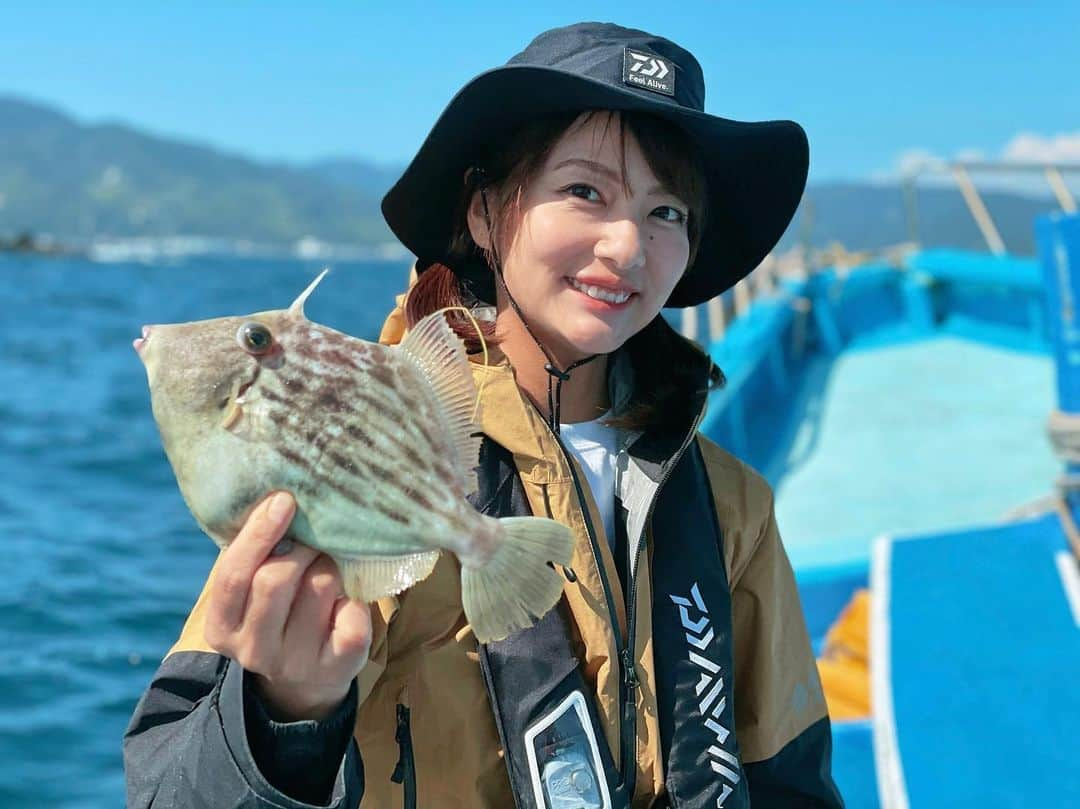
x: 864, y: 216
x: 78, y: 182
x: 365, y: 178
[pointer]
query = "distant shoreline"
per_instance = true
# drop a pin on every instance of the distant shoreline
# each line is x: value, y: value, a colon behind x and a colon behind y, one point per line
x: 156, y: 248
x: 28, y: 244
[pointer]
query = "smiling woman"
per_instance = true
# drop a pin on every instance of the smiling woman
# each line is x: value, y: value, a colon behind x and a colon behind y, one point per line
x: 593, y: 242
x: 597, y: 215
x: 576, y: 190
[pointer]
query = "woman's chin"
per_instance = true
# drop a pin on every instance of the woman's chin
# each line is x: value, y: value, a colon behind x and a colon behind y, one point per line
x: 587, y: 343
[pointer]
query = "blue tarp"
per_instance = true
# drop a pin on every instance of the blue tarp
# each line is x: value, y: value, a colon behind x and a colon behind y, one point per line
x: 983, y: 653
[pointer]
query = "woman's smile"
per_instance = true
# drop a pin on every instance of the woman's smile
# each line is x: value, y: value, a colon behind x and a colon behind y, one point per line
x: 600, y: 297
x: 597, y: 247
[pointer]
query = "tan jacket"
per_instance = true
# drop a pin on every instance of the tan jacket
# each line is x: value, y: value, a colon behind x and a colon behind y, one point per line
x: 424, y: 655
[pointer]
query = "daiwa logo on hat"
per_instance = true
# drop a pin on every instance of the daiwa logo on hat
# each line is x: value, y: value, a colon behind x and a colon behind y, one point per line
x: 649, y: 71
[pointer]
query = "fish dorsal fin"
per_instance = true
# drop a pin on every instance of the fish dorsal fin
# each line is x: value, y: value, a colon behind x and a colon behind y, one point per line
x: 297, y: 307
x: 440, y: 354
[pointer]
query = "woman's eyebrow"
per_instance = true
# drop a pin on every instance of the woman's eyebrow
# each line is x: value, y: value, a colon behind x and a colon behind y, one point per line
x: 592, y: 165
x: 604, y: 171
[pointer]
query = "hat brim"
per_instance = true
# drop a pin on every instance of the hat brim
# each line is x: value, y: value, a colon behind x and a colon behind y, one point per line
x: 755, y: 171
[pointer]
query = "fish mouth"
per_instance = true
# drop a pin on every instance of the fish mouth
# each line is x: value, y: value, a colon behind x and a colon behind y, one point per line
x: 139, y: 343
x: 235, y: 406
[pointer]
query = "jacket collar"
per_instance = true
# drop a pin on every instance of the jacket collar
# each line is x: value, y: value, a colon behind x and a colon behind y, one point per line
x: 510, y: 419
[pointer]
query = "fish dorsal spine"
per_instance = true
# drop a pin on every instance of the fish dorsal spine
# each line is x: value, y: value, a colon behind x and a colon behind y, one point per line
x: 440, y: 355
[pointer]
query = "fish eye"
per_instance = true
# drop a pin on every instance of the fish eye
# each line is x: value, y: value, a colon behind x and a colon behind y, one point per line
x: 255, y: 338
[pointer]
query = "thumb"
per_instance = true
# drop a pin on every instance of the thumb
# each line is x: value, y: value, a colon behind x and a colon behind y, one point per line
x: 237, y: 564
x: 264, y: 527
x: 350, y: 632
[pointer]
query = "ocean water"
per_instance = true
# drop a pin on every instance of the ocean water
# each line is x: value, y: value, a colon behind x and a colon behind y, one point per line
x: 103, y: 560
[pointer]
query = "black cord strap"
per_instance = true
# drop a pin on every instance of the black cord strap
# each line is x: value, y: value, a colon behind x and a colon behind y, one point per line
x: 556, y: 377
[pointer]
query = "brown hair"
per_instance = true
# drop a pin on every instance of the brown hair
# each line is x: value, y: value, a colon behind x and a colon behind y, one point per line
x: 465, y: 277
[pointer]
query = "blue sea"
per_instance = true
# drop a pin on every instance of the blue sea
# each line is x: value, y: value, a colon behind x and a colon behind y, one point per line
x: 104, y: 558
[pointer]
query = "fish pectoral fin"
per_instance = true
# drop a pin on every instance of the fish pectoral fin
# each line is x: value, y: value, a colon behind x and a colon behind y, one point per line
x: 371, y: 578
x: 440, y: 353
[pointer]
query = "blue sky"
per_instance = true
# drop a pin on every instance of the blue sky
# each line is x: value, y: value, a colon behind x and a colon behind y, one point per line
x: 870, y: 82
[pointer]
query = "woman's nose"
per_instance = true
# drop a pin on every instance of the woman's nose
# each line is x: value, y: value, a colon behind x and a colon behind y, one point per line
x: 621, y: 244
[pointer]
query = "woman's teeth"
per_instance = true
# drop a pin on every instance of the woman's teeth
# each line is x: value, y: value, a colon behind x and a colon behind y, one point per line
x: 599, y: 293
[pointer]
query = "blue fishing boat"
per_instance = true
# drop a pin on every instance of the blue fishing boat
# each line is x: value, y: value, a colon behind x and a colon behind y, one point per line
x: 899, y: 407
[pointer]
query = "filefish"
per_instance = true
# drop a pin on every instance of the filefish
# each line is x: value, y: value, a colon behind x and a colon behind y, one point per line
x: 376, y: 443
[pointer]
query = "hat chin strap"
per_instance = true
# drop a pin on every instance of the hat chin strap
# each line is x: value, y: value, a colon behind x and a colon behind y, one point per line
x: 556, y: 376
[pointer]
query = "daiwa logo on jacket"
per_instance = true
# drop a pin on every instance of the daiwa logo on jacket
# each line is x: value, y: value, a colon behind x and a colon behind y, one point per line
x: 699, y: 634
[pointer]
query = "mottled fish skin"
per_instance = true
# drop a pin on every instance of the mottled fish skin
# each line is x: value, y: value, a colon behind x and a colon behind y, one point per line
x: 350, y: 427
x: 366, y: 442
x: 378, y: 444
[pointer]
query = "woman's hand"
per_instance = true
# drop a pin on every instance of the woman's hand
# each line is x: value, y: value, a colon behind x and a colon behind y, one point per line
x: 278, y: 609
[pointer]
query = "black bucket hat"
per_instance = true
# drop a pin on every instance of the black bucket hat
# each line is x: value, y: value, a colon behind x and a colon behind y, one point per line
x: 755, y: 171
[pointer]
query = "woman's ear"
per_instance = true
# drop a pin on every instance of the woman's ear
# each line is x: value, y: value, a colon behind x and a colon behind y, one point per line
x: 478, y: 222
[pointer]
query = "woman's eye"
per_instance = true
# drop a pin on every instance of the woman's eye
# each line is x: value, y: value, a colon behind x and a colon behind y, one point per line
x: 586, y: 192
x: 255, y: 338
x: 670, y: 214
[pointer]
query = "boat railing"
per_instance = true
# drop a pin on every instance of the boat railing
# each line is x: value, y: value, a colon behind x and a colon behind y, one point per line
x: 764, y: 280
x: 768, y: 279
x: 961, y: 174
x: 725, y: 308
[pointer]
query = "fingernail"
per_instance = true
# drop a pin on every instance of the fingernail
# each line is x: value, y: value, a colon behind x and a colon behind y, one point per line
x: 280, y: 507
x: 282, y: 547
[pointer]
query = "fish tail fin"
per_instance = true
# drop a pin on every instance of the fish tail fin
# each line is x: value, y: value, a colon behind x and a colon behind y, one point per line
x: 516, y: 585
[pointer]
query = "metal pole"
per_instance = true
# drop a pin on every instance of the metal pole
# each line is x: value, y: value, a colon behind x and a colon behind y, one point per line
x: 766, y: 275
x: 717, y: 318
x: 806, y: 227
x: 689, y: 323
x: 743, y: 297
x: 1061, y: 191
x: 978, y: 210
x: 911, y: 208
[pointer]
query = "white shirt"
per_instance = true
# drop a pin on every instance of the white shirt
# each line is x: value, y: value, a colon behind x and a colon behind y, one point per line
x: 595, y: 446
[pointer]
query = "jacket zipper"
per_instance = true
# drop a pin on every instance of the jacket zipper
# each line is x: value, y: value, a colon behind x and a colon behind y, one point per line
x: 668, y: 468
x: 594, y: 545
x: 405, y: 771
x: 630, y: 680
x: 627, y: 670
x: 609, y: 599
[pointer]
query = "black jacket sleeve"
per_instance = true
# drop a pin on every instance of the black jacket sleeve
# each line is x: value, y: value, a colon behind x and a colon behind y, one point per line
x: 800, y: 775
x: 196, y: 740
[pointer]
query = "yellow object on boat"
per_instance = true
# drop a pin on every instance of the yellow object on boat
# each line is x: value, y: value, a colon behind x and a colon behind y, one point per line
x: 844, y: 664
